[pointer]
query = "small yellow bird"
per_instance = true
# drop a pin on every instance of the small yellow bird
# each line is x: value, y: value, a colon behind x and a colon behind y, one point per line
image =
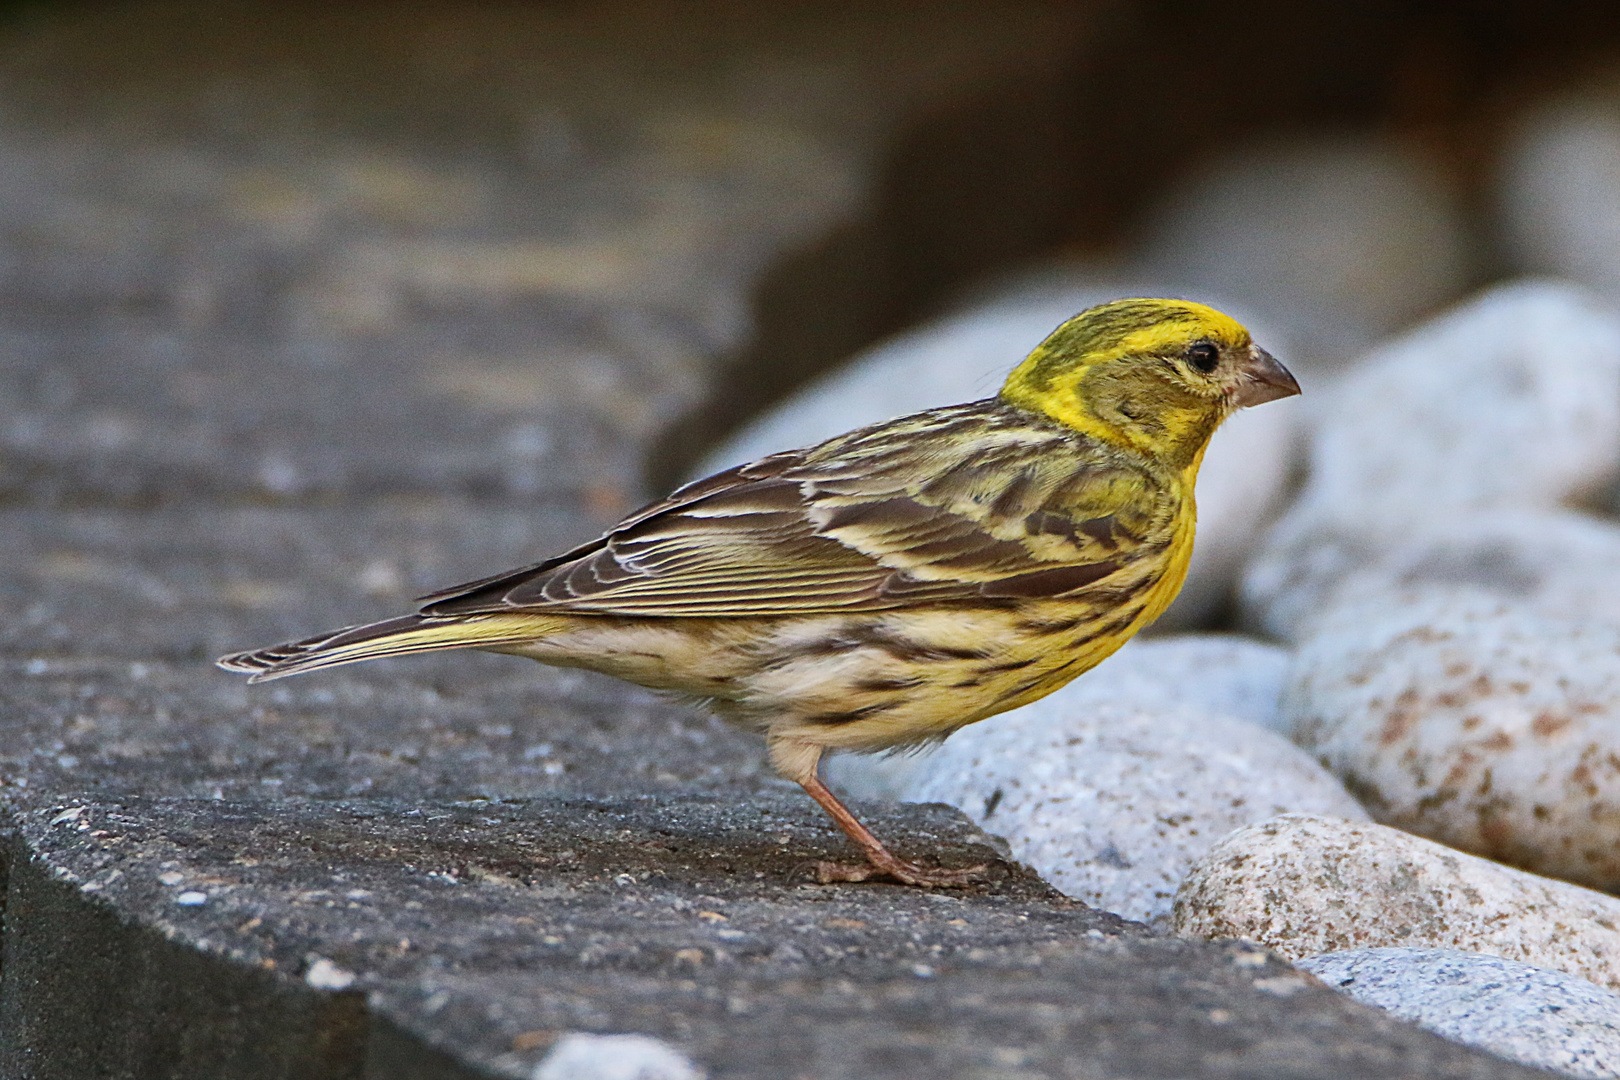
x: 898, y: 582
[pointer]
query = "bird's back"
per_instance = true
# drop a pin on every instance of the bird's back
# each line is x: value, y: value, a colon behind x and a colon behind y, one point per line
x: 1009, y: 557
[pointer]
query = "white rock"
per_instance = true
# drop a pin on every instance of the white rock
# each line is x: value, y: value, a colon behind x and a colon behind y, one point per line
x: 965, y: 356
x: 325, y: 975
x: 1560, y: 189
x: 1544, y: 559
x: 1224, y: 674
x: 1541, y: 1018
x: 1337, y: 240
x: 1305, y: 885
x: 582, y: 1056
x: 1473, y: 721
x: 1113, y: 804
x: 1509, y: 403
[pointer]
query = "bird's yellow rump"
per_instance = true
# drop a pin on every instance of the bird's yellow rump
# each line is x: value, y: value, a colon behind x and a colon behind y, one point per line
x: 895, y: 583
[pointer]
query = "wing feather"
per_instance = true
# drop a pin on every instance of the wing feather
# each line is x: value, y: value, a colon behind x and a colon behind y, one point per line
x: 999, y: 505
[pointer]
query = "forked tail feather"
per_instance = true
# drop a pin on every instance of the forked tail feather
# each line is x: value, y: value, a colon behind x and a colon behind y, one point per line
x: 391, y: 637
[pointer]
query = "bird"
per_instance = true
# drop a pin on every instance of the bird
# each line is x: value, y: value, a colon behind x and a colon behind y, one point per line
x: 884, y: 588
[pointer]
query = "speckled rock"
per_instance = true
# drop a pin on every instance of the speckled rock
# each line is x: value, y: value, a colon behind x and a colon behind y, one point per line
x: 1305, y: 885
x: 1528, y: 1014
x: 1113, y: 804
x: 1336, y: 240
x: 1473, y: 721
x: 1559, y: 188
x: 1510, y: 402
x: 1223, y: 674
x: 965, y: 356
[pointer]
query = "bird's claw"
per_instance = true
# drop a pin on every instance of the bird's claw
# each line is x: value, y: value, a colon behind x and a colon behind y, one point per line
x: 829, y: 873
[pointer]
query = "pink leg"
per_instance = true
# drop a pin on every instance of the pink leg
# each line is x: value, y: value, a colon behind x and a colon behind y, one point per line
x: 880, y: 860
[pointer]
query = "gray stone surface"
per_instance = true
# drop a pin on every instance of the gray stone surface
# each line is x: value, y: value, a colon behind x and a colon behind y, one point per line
x: 190, y: 582
x: 318, y: 253
x: 479, y: 932
x: 1543, y: 1018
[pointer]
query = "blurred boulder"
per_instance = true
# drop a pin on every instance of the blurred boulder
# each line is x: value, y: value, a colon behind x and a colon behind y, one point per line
x: 1544, y: 560
x: 1558, y: 188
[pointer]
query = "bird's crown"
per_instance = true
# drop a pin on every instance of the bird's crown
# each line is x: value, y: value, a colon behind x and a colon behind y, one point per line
x: 1153, y: 374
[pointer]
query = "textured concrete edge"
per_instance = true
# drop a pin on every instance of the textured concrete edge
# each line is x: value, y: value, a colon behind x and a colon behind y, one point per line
x: 86, y: 993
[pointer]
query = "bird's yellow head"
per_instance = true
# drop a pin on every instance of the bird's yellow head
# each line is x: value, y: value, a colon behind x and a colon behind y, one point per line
x: 1158, y: 376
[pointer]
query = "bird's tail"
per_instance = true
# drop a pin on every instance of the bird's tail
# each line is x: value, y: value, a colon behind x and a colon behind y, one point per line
x: 391, y: 637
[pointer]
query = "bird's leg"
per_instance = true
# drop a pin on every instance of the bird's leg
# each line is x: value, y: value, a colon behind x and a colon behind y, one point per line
x: 800, y: 763
x: 879, y: 859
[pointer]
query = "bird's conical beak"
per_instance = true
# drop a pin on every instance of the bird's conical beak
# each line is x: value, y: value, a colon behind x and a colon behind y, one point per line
x: 1264, y: 379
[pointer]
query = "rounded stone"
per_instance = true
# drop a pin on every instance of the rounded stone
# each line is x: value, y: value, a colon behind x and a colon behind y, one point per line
x: 1511, y: 399
x: 1113, y: 804
x: 1305, y: 885
x: 1473, y: 721
x: 1541, y: 1018
x: 966, y: 355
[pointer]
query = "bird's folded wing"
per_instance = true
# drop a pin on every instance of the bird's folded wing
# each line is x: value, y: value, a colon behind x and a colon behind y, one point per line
x: 863, y: 523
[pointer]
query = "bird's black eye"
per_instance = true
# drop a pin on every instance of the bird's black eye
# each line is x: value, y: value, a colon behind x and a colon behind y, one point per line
x: 1203, y: 356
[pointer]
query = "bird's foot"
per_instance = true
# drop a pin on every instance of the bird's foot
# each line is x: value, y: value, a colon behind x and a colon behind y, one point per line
x: 827, y: 873
x: 880, y: 861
